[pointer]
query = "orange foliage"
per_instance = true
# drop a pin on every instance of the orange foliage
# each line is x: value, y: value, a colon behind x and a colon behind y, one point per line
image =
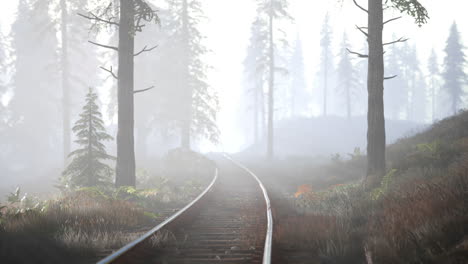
x: 303, y: 189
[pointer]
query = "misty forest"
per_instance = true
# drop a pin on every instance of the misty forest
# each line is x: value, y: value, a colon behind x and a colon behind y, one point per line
x: 249, y: 131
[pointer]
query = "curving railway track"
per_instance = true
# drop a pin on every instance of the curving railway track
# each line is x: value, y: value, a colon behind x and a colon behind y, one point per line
x: 229, y: 222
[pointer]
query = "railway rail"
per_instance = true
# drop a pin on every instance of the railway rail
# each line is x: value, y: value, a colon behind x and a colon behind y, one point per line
x: 229, y: 222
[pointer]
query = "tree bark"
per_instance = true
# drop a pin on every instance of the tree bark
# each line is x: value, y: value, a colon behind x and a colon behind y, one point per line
x: 125, y: 167
x: 271, y: 95
x: 375, y: 115
x: 66, y: 137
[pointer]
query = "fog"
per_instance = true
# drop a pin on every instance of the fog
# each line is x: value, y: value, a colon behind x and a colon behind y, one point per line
x: 229, y: 79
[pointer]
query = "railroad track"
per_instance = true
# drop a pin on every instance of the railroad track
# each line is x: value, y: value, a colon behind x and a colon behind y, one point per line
x: 229, y: 222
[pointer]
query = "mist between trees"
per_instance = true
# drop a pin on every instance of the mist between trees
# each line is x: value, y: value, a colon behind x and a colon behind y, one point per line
x: 147, y: 63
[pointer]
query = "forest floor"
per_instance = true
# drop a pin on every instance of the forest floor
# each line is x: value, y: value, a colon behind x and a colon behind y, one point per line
x: 419, y: 213
x: 86, y: 224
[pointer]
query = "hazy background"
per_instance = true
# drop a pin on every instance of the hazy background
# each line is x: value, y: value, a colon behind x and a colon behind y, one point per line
x: 227, y: 31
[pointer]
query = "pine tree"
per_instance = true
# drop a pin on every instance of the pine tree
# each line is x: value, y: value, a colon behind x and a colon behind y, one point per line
x: 434, y: 72
x: 87, y: 167
x: 326, y: 63
x: 78, y: 61
x: 376, y: 139
x: 196, y: 113
x: 347, y: 77
x: 271, y: 12
x: 453, y: 74
x: 255, y: 63
x: 414, y: 82
x: 35, y: 82
x: 395, y: 92
x: 299, y: 95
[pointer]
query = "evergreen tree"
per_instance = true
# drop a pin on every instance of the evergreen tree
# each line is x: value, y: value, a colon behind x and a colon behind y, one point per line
x: 270, y: 12
x: 87, y: 167
x: 326, y: 64
x: 454, y: 64
x: 255, y: 63
x: 376, y: 139
x: 395, y: 92
x: 434, y: 72
x: 299, y: 95
x: 34, y: 83
x: 347, y: 77
x: 78, y: 61
x: 196, y: 113
x: 414, y: 83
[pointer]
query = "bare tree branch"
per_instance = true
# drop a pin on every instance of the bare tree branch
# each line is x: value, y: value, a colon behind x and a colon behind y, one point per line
x: 145, y: 49
x: 390, y: 20
x: 362, y: 31
x: 360, y: 7
x: 110, y: 71
x: 360, y: 55
x: 103, y: 46
x: 143, y: 90
x: 96, y: 18
x: 396, y: 41
x: 391, y: 77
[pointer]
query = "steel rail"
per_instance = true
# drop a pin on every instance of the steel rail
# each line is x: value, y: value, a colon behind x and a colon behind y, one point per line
x: 129, y: 246
x: 267, y: 249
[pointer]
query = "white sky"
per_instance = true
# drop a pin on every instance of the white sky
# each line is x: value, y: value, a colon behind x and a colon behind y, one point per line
x: 228, y: 29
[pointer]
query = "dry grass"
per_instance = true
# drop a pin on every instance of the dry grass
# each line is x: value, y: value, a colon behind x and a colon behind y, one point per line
x: 80, y: 225
x: 420, y: 214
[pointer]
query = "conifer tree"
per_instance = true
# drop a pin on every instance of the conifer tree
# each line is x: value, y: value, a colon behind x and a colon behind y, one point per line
x: 434, y: 72
x: 395, y: 92
x: 454, y: 64
x: 299, y: 95
x: 326, y: 63
x: 196, y: 114
x: 271, y: 12
x: 255, y: 64
x: 376, y: 139
x: 348, y: 82
x: 35, y: 79
x: 87, y: 167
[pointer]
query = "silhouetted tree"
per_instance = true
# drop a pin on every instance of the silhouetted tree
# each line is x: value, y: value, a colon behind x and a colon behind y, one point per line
x: 396, y: 93
x: 299, y: 95
x: 131, y: 19
x: 35, y: 82
x: 78, y: 61
x: 376, y: 167
x: 326, y: 60
x: 88, y: 167
x: 347, y: 77
x: 198, y: 101
x: 271, y: 11
x: 453, y: 73
x: 434, y: 73
x: 255, y: 65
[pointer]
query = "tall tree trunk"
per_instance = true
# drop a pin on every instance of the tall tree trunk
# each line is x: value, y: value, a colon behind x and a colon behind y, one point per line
x: 125, y: 170
x: 325, y: 84
x: 293, y: 101
x: 256, y: 110
x: 375, y: 87
x: 348, y: 102
x: 271, y: 83
x: 65, y: 82
x: 187, y: 91
x: 433, y: 99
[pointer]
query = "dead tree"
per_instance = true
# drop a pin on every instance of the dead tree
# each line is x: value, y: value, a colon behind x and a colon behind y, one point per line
x: 131, y: 18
